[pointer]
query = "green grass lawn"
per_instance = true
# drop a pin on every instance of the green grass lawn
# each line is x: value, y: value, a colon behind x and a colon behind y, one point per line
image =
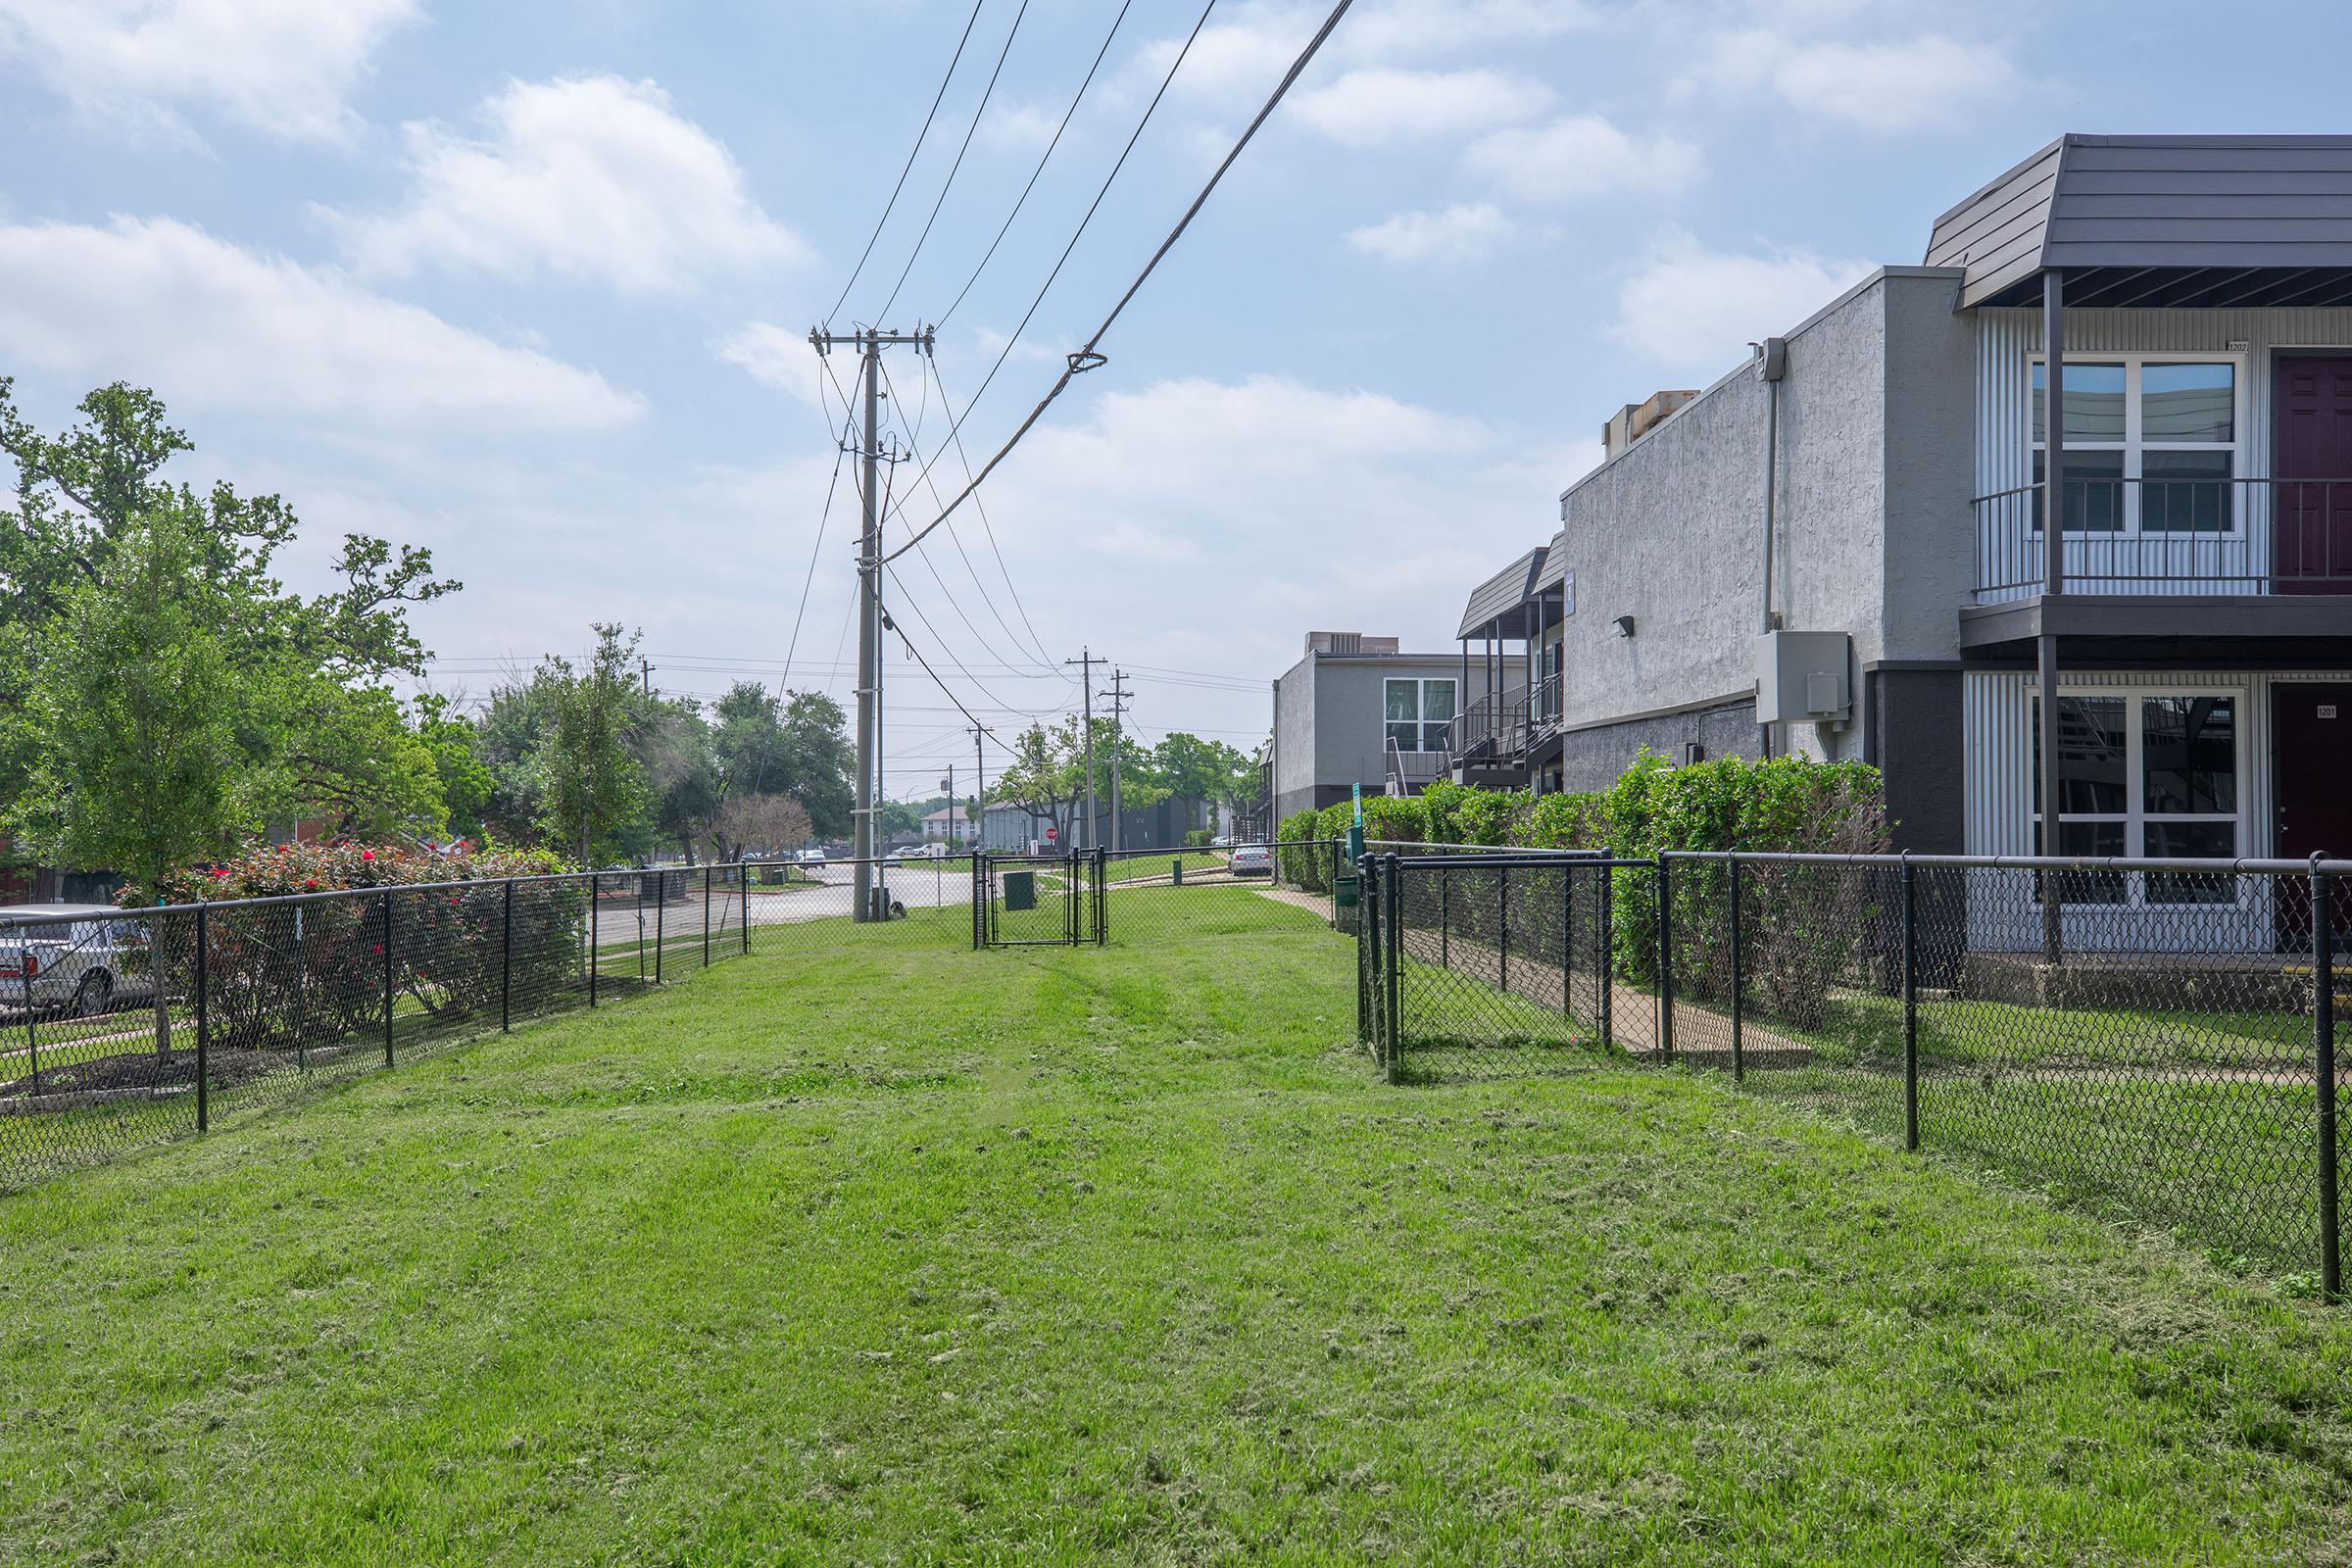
x: 1119, y: 1257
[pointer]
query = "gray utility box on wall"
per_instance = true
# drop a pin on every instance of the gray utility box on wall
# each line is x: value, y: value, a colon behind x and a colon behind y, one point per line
x: 1803, y: 678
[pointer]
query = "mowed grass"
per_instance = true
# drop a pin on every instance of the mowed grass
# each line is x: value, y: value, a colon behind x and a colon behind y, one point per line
x: 906, y: 1253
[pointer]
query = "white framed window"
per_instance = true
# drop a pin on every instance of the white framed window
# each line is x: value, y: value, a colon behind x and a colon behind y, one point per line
x: 1418, y: 711
x: 2148, y: 775
x: 2153, y: 443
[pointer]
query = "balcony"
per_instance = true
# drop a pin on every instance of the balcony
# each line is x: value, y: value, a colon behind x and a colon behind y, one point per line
x: 2171, y: 537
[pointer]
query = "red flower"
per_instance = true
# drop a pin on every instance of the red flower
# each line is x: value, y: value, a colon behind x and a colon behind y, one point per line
x: 367, y: 854
x: 309, y: 884
x: 220, y: 871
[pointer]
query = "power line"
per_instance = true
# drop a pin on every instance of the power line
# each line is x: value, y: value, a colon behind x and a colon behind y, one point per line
x: 1089, y: 357
x: 1043, y: 159
x: 988, y: 527
x: 863, y: 255
x: 974, y: 572
x: 1104, y: 190
x: 949, y: 182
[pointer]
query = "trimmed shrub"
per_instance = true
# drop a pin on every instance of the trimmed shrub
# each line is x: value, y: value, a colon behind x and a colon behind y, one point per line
x: 314, y: 970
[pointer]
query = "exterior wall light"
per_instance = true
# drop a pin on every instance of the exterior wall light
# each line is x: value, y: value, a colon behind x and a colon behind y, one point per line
x: 1624, y: 625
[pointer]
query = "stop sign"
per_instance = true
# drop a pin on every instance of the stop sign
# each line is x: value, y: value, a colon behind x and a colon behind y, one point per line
x: 1051, y: 833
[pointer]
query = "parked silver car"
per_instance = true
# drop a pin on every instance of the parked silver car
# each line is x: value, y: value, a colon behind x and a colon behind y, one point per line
x: 1250, y: 860
x: 65, y: 957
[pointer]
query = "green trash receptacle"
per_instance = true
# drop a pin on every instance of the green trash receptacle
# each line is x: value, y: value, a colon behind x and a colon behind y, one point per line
x: 1020, y: 890
x: 1343, y: 892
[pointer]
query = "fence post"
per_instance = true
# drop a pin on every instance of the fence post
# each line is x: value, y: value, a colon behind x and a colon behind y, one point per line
x: 592, y: 937
x: 1502, y: 926
x: 1738, y: 1006
x: 1367, y: 935
x: 1568, y: 943
x: 743, y: 881
x: 1910, y: 1003
x: 33, y: 1039
x: 1395, y: 1060
x: 301, y: 998
x: 1445, y: 917
x: 506, y: 961
x: 203, y: 1021
x: 387, y: 977
x: 707, y: 868
x: 1665, y: 961
x: 2323, y: 1037
x: 660, y: 910
x: 1101, y: 897
x: 1604, y: 980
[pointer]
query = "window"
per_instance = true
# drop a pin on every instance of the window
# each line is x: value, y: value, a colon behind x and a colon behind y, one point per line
x: 2151, y: 444
x: 1418, y: 711
x: 2145, y: 776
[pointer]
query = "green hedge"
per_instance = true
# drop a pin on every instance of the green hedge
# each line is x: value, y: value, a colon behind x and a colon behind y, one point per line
x: 1798, y: 924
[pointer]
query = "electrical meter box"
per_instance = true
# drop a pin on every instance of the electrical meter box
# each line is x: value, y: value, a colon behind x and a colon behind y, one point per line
x: 1805, y: 677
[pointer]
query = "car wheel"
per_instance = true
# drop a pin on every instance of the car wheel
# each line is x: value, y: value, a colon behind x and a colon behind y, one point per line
x: 90, y: 997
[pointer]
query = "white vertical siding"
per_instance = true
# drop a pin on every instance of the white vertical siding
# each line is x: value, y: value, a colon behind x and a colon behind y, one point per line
x: 2008, y: 339
x: 1997, y: 715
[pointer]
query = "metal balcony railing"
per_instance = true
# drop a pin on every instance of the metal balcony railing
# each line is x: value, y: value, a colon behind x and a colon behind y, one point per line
x: 2164, y: 535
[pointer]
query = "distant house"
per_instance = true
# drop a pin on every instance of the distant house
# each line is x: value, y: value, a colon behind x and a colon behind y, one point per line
x: 947, y: 825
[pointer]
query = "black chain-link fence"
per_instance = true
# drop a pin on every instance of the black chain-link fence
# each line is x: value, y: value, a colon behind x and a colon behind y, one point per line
x: 119, y: 1029
x: 2153, y: 1037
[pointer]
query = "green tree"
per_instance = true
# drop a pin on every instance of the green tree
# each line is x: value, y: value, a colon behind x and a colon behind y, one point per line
x: 1207, y: 771
x: 1046, y: 775
x: 818, y: 761
x: 316, y: 728
x: 591, y: 788
x: 133, y: 714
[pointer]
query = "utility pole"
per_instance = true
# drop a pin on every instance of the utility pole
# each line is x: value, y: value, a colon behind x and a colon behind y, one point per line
x: 979, y: 792
x: 645, y: 672
x: 948, y: 785
x: 869, y: 345
x: 1118, y: 713
x: 1086, y: 661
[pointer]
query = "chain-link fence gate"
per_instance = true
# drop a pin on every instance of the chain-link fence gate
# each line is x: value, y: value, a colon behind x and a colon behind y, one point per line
x: 1033, y: 901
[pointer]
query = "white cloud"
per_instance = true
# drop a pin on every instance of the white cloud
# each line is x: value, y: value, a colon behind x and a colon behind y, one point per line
x: 585, y: 177
x: 1245, y: 481
x: 209, y: 324
x: 1923, y: 83
x: 1463, y: 233
x: 1580, y: 155
x: 1695, y: 310
x: 281, y: 67
x: 1380, y: 105
x: 1415, y: 29
x: 775, y: 357
x: 1242, y: 53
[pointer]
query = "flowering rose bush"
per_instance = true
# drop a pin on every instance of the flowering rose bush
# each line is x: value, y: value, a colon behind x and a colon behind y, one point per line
x: 272, y: 872
x: 311, y: 970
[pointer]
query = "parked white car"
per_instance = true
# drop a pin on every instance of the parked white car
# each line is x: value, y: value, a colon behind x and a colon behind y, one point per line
x: 1250, y: 860
x: 62, y: 958
x: 923, y: 852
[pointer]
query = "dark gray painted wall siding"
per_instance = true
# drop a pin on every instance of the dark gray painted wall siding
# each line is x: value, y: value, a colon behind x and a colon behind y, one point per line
x: 2155, y: 202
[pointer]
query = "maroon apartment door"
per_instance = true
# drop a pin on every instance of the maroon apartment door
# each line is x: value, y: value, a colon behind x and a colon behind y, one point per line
x: 2311, y: 522
x: 2311, y: 735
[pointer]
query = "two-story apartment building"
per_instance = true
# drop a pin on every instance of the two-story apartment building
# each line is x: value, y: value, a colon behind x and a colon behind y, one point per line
x: 1357, y: 711
x: 1841, y: 547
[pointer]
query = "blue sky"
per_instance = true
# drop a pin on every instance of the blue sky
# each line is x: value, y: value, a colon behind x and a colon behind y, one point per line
x: 527, y: 284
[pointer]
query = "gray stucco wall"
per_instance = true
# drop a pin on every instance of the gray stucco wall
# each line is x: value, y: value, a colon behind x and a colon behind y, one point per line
x: 1592, y: 759
x: 1873, y: 533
